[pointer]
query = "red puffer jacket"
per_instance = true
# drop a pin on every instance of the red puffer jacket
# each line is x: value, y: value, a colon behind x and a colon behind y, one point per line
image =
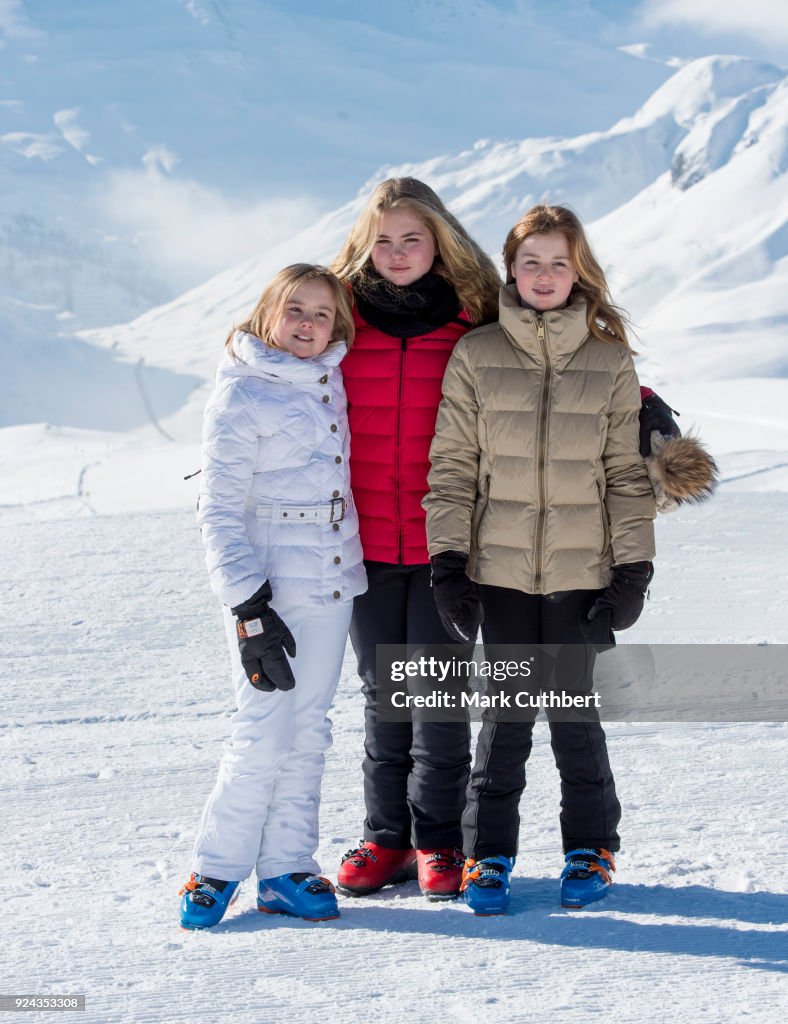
x: 394, y: 390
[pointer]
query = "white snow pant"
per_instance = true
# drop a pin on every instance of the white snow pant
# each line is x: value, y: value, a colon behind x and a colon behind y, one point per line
x: 264, y: 808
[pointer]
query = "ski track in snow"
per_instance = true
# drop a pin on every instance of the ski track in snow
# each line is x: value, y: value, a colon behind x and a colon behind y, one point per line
x: 118, y: 702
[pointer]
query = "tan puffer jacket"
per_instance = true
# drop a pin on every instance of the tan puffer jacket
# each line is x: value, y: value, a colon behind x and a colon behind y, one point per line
x: 535, y: 464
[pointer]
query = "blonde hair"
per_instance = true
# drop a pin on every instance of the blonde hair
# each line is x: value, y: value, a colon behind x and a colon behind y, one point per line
x: 605, y: 321
x: 278, y: 293
x: 467, y: 268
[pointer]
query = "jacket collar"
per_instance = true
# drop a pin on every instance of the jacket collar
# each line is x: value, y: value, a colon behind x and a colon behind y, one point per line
x: 565, y: 329
x: 405, y: 311
x: 255, y: 359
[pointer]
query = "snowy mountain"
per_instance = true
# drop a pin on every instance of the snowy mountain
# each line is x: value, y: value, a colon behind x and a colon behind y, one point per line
x: 145, y: 147
x: 687, y: 203
x: 66, y: 380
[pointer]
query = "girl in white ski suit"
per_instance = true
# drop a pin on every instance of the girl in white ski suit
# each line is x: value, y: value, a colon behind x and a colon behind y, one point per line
x: 278, y: 524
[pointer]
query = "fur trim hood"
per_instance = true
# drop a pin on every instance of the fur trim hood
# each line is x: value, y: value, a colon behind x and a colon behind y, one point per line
x: 681, y: 471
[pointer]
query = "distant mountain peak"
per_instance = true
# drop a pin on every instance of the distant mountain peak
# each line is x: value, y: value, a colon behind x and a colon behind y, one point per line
x: 704, y: 83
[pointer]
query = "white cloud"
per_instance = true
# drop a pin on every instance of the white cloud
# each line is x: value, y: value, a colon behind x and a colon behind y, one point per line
x: 636, y: 50
x: 73, y: 133
x: 641, y: 52
x: 14, y: 23
x: 185, y: 231
x: 764, y: 20
x: 197, y: 12
x: 32, y: 145
x: 159, y: 158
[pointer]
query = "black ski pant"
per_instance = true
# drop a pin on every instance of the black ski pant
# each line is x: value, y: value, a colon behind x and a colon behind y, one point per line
x: 590, y: 811
x: 415, y: 772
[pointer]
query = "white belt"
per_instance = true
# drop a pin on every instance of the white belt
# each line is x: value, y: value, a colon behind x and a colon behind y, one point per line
x: 290, y: 512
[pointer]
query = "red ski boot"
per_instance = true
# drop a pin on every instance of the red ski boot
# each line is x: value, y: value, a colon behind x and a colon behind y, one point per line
x: 369, y: 867
x: 440, y: 873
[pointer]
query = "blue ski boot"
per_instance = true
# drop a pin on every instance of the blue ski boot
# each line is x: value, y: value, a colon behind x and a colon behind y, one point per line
x: 299, y: 894
x: 586, y: 877
x: 205, y: 901
x: 486, y: 884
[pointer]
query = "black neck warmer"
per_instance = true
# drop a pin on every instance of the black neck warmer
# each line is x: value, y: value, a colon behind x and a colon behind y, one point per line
x: 405, y: 311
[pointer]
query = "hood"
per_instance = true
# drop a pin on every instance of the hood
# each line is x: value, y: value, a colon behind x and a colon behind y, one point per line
x: 253, y: 358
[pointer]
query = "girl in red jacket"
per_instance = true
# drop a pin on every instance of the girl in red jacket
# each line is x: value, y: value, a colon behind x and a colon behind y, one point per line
x: 419, y: 282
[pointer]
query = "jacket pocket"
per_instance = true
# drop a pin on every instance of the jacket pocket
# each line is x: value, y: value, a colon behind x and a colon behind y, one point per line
x: 481, y: 510
x: 603, y: 519
x: 259, y: 533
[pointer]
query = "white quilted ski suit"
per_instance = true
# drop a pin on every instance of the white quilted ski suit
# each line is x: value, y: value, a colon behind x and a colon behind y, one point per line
x: 275, y: 504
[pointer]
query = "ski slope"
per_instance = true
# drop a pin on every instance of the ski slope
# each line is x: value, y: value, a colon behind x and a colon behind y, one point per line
x: 118, y: 703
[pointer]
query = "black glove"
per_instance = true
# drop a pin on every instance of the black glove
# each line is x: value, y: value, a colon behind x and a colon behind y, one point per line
x: 656, y: 415
x: 263, y: 639
x: 625, y: 594
x: 456, y: 596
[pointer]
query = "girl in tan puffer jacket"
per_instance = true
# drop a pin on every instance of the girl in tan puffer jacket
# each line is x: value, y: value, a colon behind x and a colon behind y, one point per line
x: 540, y: 521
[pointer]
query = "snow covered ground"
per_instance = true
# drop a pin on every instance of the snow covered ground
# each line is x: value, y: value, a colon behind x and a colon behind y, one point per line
x: 115, y: 676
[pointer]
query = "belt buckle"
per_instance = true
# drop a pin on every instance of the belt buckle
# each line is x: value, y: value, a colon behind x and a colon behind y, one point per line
x: 341, y: 516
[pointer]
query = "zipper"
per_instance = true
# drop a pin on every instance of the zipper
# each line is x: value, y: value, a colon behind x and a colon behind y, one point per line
x: 399, y: 451
x: 542, y: 453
